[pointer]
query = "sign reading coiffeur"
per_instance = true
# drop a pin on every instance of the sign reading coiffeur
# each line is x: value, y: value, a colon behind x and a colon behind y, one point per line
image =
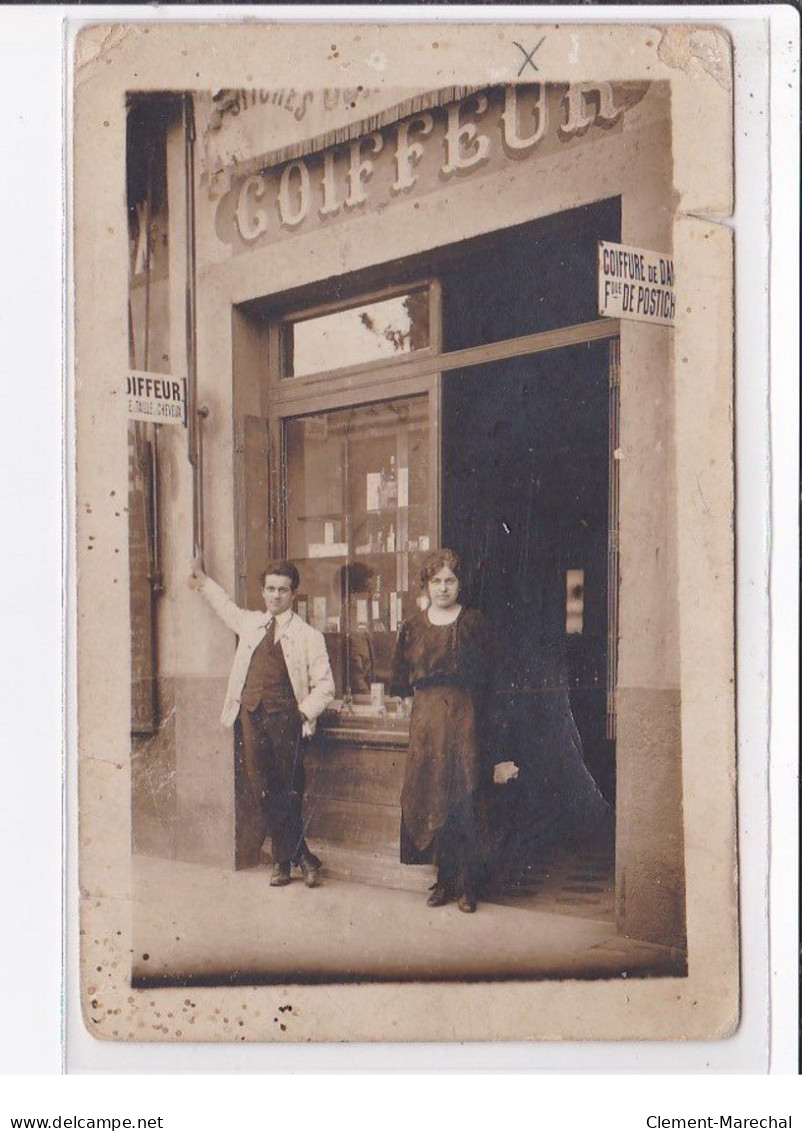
x: 636, y: 284
x: 156, y: 397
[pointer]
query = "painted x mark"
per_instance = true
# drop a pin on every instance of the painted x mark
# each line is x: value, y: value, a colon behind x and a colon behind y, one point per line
x: 528, y: 55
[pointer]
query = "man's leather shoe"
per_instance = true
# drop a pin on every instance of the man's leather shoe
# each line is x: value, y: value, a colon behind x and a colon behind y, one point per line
x: 310, y: 870
x: 281, y: 876
x: 438, y: 897
x: 466, y: 903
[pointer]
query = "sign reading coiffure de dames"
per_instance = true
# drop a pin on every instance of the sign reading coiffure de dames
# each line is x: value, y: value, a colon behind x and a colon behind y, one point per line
x: 415, y: 148
x: 636, y: 284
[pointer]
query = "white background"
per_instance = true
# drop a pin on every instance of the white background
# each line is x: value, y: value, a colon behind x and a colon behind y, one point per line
x: 31, y: 501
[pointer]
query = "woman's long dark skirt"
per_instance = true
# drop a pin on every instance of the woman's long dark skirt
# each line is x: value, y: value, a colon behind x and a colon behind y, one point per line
x: 444, y: 819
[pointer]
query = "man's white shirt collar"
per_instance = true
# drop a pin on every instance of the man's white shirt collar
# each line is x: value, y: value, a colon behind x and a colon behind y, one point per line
x: 282, y: 620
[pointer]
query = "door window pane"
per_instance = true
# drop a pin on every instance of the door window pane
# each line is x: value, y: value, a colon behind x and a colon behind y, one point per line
x: 358, y: 526
x: 373, y: 332
x: 574, y: 600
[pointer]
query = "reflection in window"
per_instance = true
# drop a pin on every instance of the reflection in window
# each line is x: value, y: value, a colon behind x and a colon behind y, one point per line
x: 373, y: 332
x: 574, y: 600
x: 358, y: 525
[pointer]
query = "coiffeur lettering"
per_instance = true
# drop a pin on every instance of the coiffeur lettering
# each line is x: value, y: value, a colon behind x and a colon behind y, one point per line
x: 465, y: 148
x: 163, y: 388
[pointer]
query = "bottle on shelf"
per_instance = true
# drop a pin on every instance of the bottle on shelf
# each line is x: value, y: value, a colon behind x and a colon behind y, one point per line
x: 377, y: 602
x: 391, y: 486
x: 391, y: 540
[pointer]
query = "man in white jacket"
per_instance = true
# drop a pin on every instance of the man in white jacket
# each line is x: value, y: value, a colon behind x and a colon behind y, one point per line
x: 280, y: 683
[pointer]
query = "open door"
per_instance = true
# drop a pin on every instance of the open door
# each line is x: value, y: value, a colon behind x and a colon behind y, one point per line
x: 527, y: 492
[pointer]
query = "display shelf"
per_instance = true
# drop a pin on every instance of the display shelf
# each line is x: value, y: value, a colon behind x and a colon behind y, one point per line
x: 380, y: 727
x: 358, y: 555
x: 358, y: 507
x: 340, y: 516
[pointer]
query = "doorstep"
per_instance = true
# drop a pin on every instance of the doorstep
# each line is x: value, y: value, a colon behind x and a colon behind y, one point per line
x: 378, y: 866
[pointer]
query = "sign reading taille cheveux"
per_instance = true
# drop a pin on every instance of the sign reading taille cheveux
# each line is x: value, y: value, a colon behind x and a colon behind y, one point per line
x: 636, y: 284
x: 156, y: 397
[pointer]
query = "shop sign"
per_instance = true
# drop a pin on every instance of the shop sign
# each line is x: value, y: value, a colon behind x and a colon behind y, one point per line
x: 156, y: 397
x: 636, y: 284
x: 237, y: 126
x: 480, y: 133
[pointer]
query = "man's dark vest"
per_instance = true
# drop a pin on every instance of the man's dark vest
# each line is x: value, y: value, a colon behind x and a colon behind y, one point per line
x: 268, y: 681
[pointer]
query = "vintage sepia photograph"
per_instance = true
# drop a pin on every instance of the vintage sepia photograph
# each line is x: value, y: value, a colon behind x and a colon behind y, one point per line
x: 404, y: 532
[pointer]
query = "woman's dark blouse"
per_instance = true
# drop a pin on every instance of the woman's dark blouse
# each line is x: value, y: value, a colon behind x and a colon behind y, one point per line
x: 428, y: 654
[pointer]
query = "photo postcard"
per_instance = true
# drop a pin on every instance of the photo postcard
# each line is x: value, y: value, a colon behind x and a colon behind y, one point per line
x: 403, y: 531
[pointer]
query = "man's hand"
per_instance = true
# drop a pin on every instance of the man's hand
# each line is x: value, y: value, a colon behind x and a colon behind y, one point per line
x: 504, y: 772
x: 306, y: 726
x: 197, y: 577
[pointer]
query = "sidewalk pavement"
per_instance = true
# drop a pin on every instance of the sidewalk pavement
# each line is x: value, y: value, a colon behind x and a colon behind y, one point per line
x: 199, y: 925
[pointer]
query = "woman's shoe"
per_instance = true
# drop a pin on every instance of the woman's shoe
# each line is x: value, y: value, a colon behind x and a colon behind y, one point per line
x: 466, y: 903
x: 438, y: 896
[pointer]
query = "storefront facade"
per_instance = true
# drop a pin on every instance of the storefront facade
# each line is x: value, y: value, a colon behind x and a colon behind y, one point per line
x: 397, y: 346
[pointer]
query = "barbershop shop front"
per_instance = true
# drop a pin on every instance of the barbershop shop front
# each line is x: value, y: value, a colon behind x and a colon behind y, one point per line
x: 393, y: 334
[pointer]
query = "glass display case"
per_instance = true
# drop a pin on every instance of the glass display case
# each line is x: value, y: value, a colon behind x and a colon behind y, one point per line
x: 359, y: 521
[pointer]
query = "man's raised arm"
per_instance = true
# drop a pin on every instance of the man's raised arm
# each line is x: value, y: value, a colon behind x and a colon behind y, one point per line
x: 229, y: 613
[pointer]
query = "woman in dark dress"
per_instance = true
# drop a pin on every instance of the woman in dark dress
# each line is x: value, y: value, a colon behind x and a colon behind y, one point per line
x: 444, y: 656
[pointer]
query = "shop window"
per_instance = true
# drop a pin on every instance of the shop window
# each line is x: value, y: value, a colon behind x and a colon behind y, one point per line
x: 358, y: 520
x: 373, y: 332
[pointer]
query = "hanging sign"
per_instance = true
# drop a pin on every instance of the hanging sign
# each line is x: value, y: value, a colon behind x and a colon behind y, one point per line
x: 636, y: 284
x: 156, y: 397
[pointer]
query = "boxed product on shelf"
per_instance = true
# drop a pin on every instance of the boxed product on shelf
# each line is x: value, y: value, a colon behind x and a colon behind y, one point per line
x: 403, y: 486
x: 319, y: 613
x: 374, y: 486
x: 327, y: 549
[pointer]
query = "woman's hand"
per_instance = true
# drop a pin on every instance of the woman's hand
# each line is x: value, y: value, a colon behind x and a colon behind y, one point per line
x: 197, y: 576
x: 504, y: 772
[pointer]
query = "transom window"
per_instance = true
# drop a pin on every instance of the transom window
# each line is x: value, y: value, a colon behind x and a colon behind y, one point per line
x: 369, y: 333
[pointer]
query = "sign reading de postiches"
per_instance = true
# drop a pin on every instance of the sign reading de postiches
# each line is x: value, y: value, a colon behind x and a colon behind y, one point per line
x: 156, y: 397
x: 636, y: 284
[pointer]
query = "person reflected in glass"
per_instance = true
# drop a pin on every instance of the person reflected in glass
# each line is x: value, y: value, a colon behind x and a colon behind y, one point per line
x: 444, y: 660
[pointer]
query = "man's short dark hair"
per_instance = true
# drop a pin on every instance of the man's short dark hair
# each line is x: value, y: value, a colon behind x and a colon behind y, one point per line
x: 283, y: 569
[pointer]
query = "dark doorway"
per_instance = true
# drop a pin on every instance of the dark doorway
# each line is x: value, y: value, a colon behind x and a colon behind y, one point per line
x: 526, y: 504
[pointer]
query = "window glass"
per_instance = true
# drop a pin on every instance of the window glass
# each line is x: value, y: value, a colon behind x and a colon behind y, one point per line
x: 373, y: 332
x: 528, y: 281
x: 358, y: 525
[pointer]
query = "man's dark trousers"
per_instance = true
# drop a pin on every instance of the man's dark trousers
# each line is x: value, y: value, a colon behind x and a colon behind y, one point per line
x: 274, y: 762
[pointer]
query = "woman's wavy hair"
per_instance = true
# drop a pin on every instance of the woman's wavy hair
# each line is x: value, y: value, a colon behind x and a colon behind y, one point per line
x: 437, y: 560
